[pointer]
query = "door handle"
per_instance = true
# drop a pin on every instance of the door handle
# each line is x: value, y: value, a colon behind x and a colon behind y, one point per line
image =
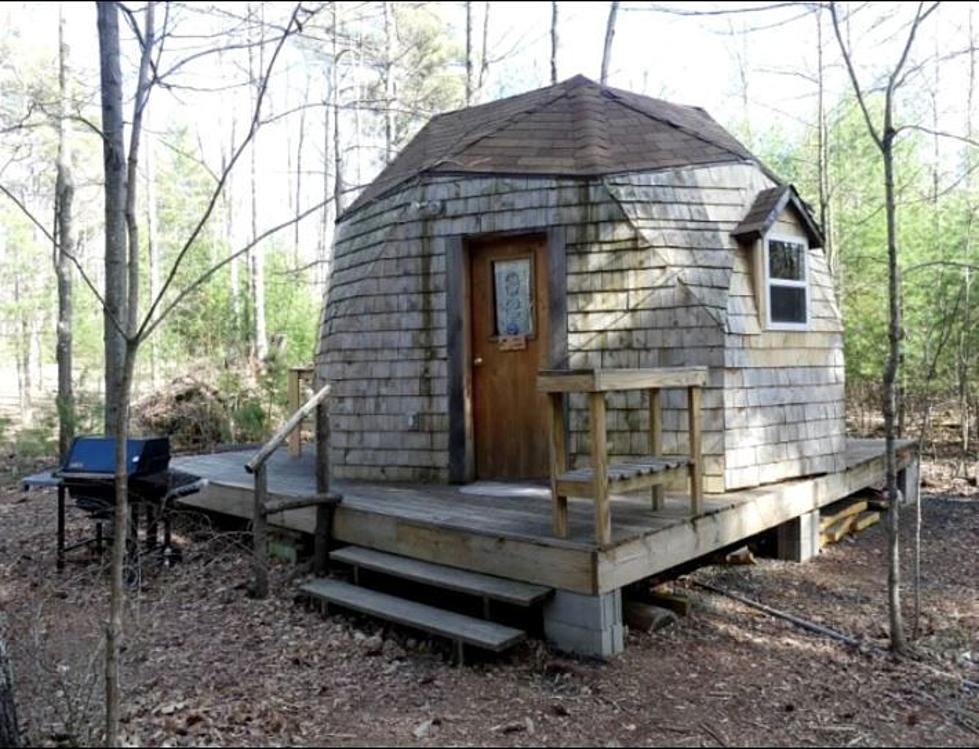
x: 478, y: 361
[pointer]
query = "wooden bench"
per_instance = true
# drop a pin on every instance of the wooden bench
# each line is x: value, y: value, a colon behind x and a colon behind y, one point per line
x: 600, y: 479
x: 461, y: 629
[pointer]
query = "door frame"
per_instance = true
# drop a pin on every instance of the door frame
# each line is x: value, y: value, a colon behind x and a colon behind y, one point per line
x: 462, y: 460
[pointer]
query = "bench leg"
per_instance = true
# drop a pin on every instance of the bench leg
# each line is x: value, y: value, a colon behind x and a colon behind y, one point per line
x: 696, y: 452
x: 599, y: 464
x: 559, y: 461
x: 658, y: 494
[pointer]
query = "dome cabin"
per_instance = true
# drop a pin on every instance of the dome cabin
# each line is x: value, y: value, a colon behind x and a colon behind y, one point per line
x: 578, y: 226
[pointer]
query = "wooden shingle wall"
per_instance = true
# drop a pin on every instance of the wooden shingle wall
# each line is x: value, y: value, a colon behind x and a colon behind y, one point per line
x: 383, y: 329
x: 650, y: 263
x: 783, y: 390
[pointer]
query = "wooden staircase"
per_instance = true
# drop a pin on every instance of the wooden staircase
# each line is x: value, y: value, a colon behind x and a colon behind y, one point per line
x: 462, y: 629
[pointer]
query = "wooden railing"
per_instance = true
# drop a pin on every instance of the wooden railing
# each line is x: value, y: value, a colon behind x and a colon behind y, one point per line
x: 323, y: 499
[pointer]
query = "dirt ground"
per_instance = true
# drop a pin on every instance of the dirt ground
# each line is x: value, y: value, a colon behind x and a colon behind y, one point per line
x: 205, y: 665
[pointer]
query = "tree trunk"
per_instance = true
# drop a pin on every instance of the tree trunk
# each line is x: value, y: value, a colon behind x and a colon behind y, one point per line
x: 64, y: 248
x: 153, y: 255
x: 114, y: 161
x: 120, y: 530
x: 484, y: 62
x: 554, y: 40
x: 299, y: 177
x: 388, y: 83
x: 338, y: 161
x: 135, y: 135
x: 890, y: 400
x: 609, y: 33
x: 256, y: 254
x: 9, y: 731
x: 469, y: 53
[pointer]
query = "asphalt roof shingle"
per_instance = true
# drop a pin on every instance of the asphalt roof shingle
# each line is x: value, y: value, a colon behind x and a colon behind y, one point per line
x: 574, y: 128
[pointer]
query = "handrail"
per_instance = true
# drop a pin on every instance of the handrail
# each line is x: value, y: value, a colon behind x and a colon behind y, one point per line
x: 259, y: 458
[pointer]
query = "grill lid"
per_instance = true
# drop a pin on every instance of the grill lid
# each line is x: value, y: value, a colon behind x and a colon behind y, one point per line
x: 96, y: 454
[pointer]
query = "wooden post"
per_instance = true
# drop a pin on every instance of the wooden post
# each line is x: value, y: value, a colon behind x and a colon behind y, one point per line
x: 324, y: 512
x: 696, y: 451
x: 295, y: 437
x: 656, y: 442
x: 559, y: 462
x: 599, y: 464
x: 260, y: 562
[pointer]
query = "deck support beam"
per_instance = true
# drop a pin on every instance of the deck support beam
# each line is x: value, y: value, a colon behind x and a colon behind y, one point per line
x: 585, y: 625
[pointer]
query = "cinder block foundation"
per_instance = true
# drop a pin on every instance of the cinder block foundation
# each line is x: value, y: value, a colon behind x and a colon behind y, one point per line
x: 908, y: 482
x: 585, y: 625
x: 798, y: 539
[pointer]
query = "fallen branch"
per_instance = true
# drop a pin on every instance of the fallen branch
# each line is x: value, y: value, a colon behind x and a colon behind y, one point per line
x: 832, y: 633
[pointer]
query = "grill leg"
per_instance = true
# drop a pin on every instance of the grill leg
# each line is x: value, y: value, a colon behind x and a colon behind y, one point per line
x: 152, y: 526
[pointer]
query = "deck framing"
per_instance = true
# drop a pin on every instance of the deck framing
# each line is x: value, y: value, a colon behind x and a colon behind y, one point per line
x: 512, y: 538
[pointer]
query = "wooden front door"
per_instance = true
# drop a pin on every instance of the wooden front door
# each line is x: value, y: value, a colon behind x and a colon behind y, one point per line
x: 509, y: 334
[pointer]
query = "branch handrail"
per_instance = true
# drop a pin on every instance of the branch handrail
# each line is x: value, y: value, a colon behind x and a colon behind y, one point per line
x: 259, y: 458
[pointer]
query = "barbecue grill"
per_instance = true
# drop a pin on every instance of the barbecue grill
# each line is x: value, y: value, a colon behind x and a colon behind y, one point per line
x: 87, y: 474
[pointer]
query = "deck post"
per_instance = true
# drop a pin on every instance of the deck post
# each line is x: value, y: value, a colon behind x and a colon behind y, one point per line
x: 559, y: 462
x: 260, y: 552
x: 599, y: 465
x: 696, y: 451
x: 656, y: 442
x: 324, y: 512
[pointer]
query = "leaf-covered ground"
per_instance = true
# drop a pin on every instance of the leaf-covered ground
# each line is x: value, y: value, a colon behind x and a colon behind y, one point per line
x: 205, y: 665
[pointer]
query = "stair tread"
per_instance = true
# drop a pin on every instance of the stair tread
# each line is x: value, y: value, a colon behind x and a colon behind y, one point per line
x: 441, y: 576
x: 467, y: 629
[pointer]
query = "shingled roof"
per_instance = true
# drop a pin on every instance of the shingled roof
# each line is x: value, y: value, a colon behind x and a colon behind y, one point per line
x: 573, y: 128
x: 767, y: 207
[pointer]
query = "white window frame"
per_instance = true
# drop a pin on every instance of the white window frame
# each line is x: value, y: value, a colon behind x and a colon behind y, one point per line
x: 768, y: 282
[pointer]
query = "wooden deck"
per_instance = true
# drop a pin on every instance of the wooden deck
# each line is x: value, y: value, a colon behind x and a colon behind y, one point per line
x: 505, y: 529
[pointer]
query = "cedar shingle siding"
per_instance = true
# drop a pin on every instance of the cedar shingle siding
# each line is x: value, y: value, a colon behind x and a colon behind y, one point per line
x: 649, y: 194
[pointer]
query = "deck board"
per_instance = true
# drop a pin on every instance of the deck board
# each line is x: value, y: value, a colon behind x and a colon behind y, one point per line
x: 504, y: 529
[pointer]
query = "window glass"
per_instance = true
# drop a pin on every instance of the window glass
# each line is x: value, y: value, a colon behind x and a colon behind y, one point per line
x: 788, y: 303
x: 512, y: 297
x: 785, y: 260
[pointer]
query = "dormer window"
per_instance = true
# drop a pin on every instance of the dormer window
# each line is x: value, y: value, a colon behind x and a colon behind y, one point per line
x: 786, y: 282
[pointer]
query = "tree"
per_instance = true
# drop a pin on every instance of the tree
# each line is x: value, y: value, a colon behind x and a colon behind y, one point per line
x: 554, y: 40
x: 114, y: 163
x: 64, y: 247
x: 883, y: 135
x: 609, y: 33
x: 131, y: 329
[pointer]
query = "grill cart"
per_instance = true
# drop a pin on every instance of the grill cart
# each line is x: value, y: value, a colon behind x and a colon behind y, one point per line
x: 87, y: 475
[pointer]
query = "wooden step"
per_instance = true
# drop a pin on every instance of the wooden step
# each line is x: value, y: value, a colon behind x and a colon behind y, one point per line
x: 625, y: 476
x: 457, y: 627
x: 440, y: 576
